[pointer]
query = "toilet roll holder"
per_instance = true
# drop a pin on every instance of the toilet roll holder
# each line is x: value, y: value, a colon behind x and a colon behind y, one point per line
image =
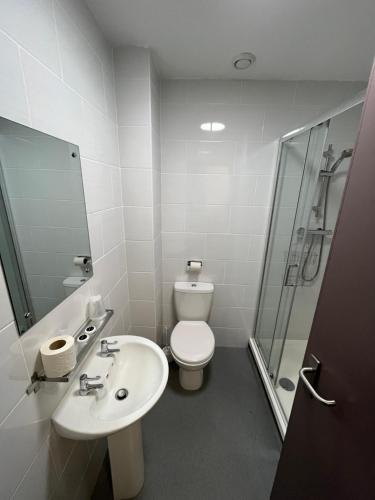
x: 190, y: 263
x: 91, y: 329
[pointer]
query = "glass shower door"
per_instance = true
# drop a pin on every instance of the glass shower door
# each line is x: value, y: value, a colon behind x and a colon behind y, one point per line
x: 299, y: 165
x: 291, y: 279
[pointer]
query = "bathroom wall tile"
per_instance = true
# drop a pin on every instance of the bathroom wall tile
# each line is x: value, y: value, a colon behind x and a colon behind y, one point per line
x: 208, y: 189
x: 183, y: 245
x: 262, y: 195
x: 229, y: 317
x: 243, y: 189
x: 242, y: 273
x: 229, y: 296
x: 257, y: 247
x: 140, y: 256
x: 267, y: 92
x: 143, y: 313
x: 137, y: 187
x: 22, y: 435
x: 135, y: 147
x: 248, y: 220
x: 134, y: 102
x: 174, y: 188
x: 278, y: 121
x: 116, y: 186
x: 174, y: 157
x: 119, y: 296
x: 210, y: 157
x: 174, y: 270
x: 138, y: 223
x: 61, y: 449
x: 131, y: 62
x: 12, y: 93
x: 49, y: 97
x: 40, y: 480
x: 149, y: 332
x: 94, y: 222
x: 227, y: 246
x: 214, y: 91
x: 15, y: 20
x: 173, y: 218
x: 97, y: 186
x: 326, y: 94
x: 97, y: 124
x: 174, y: 91
x: 70, y: 479
x: 112, y: 229
x: 13, y: 371
x: 106, y: 272
x: 231, y: 337
x: 184, y: 121
x: 256, y: 158
x: 82, y: 68
x: 212, y: 272
x: 207, y: 219
x: 142, y: 286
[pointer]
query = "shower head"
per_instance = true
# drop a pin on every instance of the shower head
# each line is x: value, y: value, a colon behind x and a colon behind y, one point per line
x: 346, y: 153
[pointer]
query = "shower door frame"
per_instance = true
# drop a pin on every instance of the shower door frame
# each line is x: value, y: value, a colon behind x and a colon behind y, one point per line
x: 278, y: 411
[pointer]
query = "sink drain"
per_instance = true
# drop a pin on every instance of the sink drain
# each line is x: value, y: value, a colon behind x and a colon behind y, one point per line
x: 287, y: 384
x: 121, y: 394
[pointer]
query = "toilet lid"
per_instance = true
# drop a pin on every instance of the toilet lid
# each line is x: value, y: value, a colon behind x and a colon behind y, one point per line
x: 192, y: 341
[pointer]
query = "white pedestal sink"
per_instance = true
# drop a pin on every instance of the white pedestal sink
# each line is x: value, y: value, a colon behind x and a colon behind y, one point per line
x: 141, y: 368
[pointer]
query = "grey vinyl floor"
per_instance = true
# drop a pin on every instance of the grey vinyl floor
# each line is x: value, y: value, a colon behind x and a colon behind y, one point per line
x: 219, y: 443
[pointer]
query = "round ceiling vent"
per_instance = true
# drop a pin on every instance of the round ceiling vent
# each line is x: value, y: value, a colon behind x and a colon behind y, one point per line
x: 244, y: 60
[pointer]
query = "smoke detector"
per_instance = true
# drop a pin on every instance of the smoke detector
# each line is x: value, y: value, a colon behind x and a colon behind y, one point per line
x: 244, y: 60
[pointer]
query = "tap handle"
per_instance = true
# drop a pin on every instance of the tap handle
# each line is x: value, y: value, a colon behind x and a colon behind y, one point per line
x: 105, y: 342
x: 85, y: 377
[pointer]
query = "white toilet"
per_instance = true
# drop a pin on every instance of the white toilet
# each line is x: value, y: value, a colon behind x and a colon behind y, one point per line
x: 192, y: 340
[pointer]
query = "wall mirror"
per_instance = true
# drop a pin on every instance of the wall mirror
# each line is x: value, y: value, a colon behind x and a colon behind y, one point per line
x: 44, y: 240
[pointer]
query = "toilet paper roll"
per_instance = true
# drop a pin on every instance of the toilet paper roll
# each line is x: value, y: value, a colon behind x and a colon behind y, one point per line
x: 195, y: 266
x: 80, y: 260
x: 58, y: 355
x: 96, y: 309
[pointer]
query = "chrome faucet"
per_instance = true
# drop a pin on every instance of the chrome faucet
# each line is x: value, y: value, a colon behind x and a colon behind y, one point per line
x: 105, y: 350
x: 84, y: 384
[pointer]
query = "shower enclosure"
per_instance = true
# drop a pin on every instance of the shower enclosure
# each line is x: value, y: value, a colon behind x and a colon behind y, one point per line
x: 313, y: 163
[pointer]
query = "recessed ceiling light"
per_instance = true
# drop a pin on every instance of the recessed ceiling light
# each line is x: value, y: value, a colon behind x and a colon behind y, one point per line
x: 212, y: 126
x: 244, y: 60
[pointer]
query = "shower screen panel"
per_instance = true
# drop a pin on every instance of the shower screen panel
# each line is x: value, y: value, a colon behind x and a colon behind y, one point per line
x: 298, y: 169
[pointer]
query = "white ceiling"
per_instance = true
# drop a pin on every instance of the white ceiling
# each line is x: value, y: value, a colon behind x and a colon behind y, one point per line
x: 292, y: 39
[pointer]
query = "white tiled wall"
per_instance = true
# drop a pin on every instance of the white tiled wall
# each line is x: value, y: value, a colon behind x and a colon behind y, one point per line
x: 137, y: 86
x: 56, y: 75
x: 216, y: 186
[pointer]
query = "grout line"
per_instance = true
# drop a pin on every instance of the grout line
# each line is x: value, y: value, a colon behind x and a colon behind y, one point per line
x: 58, y: 77
x: 24, y: 84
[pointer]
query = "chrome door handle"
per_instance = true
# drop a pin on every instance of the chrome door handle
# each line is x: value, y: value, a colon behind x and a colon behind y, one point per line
x: 310, y: 388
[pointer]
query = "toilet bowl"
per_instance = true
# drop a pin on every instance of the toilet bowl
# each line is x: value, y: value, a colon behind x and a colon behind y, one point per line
x: 192, y: 341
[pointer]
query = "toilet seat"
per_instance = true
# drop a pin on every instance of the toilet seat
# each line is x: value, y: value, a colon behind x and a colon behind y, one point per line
x: 192, y: 342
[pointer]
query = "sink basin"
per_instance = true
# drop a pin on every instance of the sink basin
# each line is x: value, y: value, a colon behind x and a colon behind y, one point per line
x: 140, y: 367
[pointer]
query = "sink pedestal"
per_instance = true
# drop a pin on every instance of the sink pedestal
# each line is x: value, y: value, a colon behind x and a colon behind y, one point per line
x: 127, y: 465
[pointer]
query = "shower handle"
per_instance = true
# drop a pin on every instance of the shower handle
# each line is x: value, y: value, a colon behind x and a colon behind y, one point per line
x: 315, y: 370
x: 286, y: 281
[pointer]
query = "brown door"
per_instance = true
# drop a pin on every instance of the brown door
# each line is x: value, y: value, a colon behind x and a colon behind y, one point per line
x: 329, y: 449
